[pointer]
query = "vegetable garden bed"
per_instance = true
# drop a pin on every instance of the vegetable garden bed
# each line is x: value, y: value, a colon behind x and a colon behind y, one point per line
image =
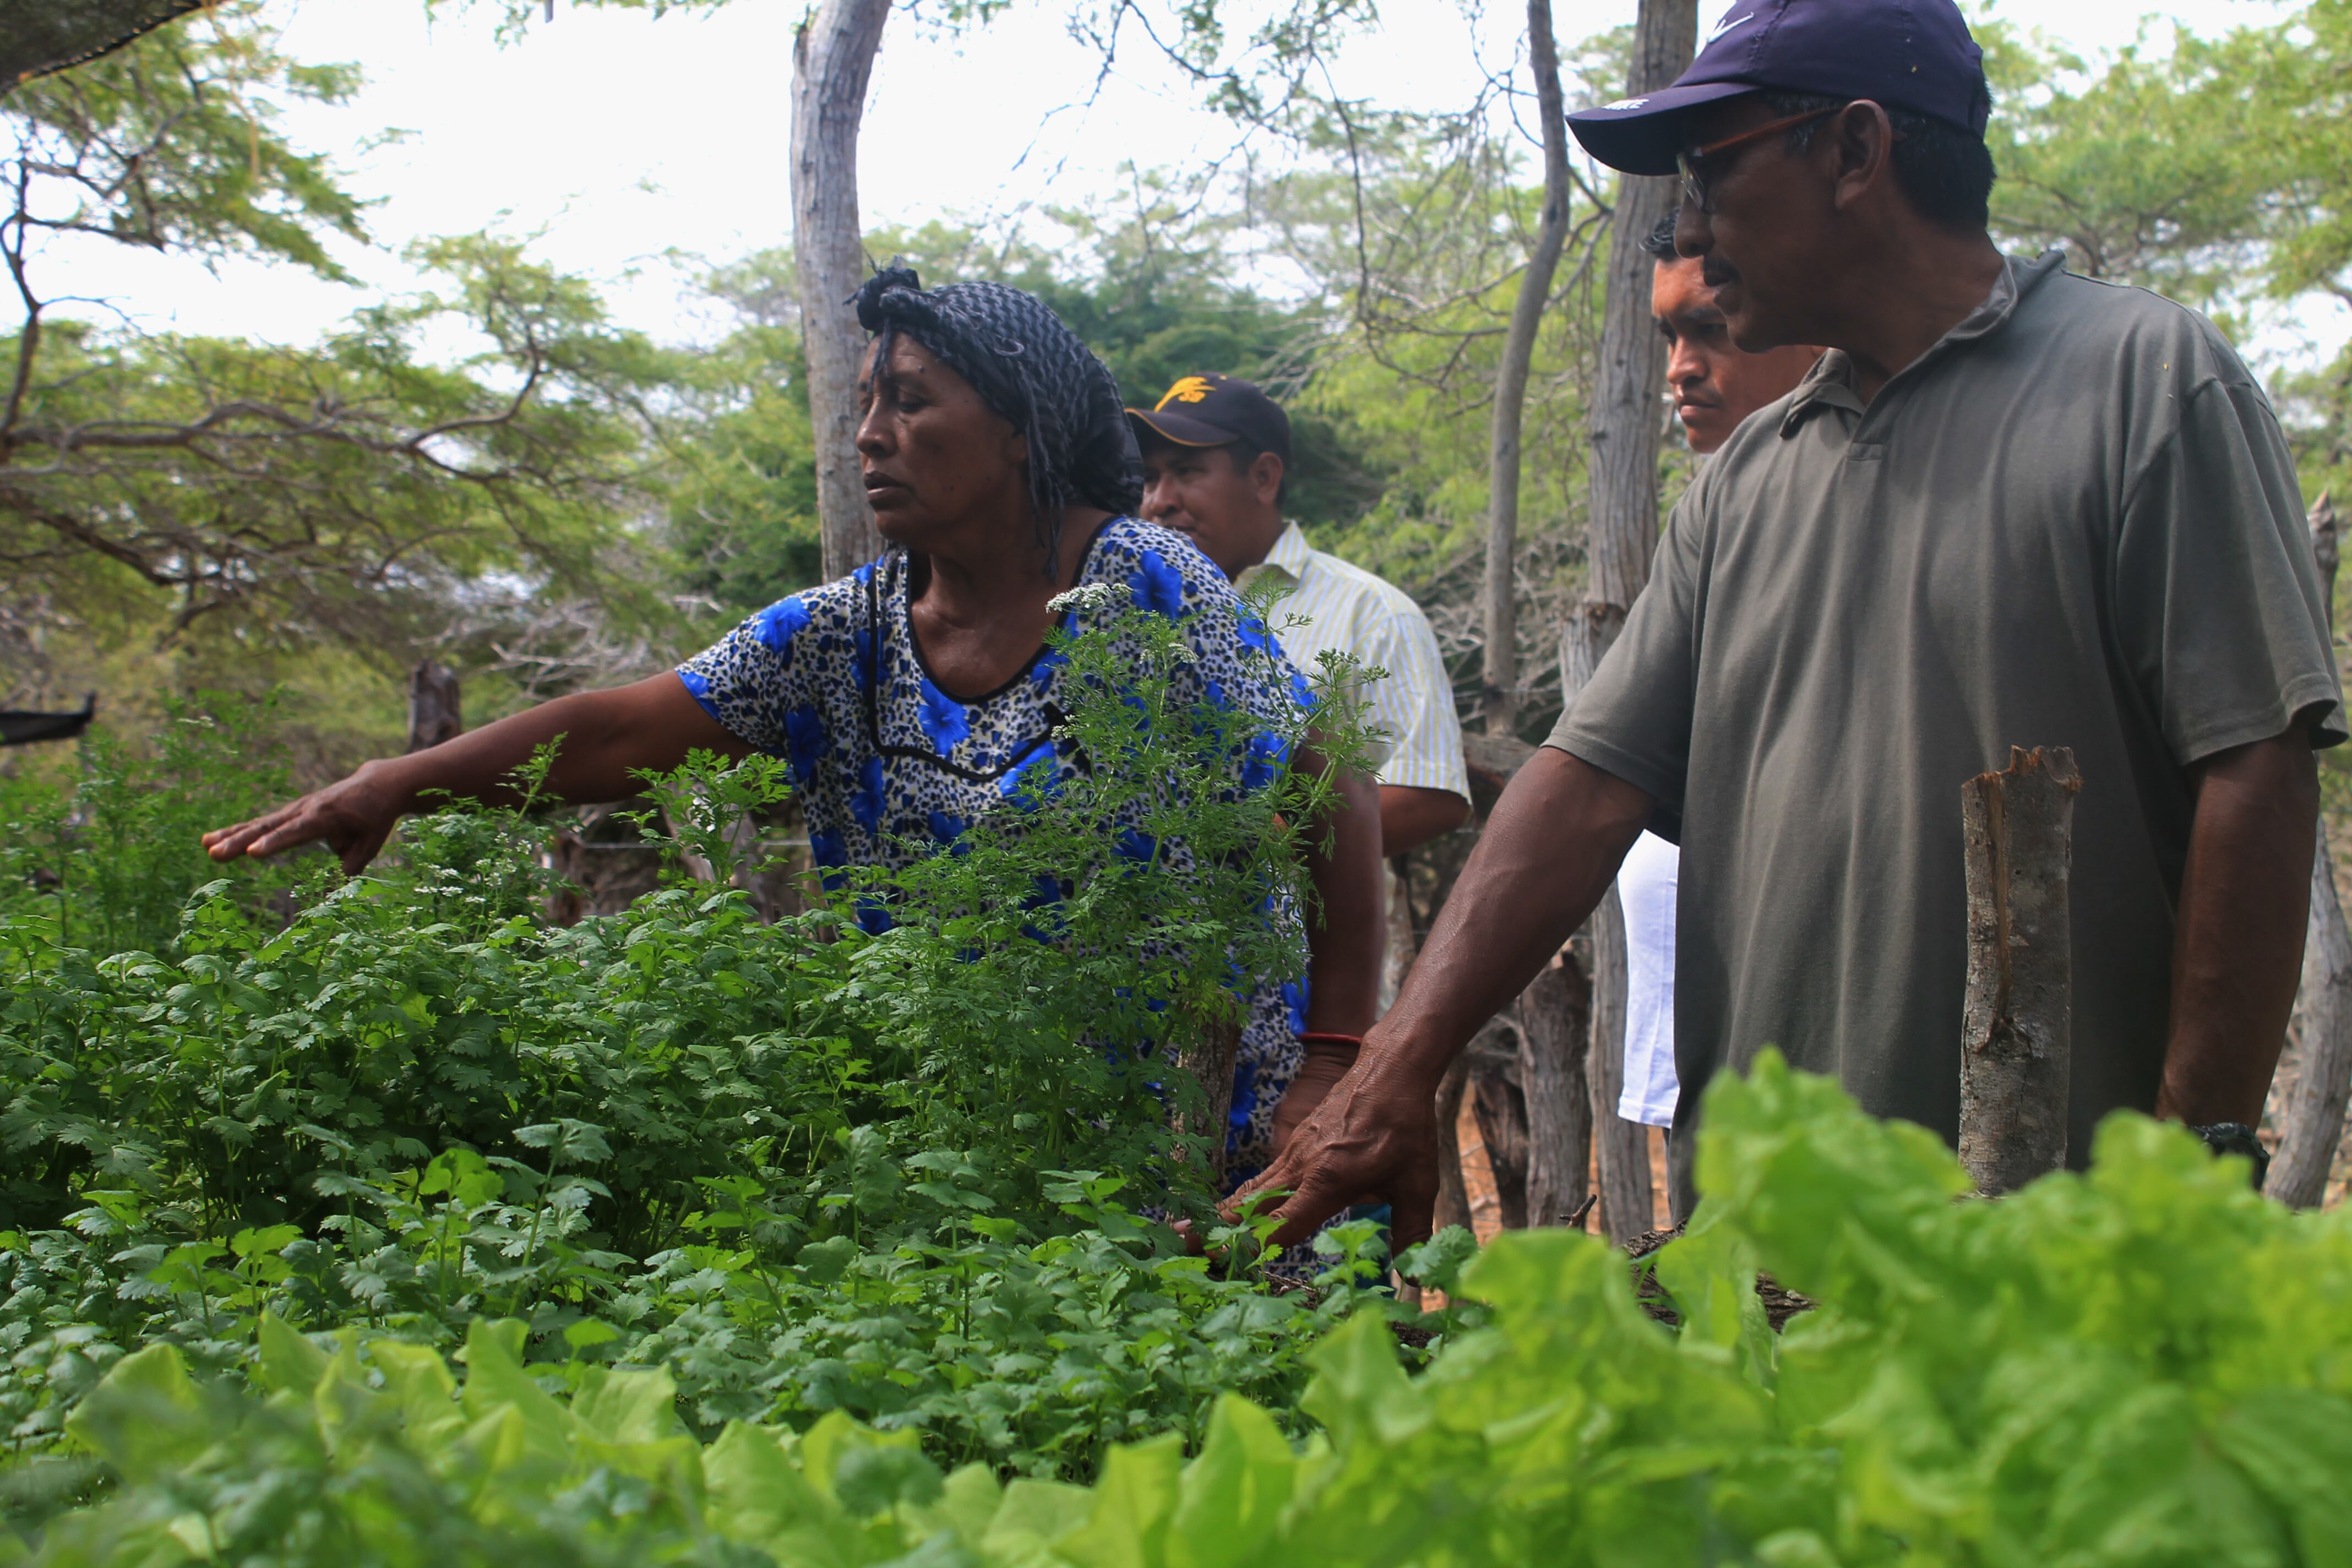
x: 418, y: 1230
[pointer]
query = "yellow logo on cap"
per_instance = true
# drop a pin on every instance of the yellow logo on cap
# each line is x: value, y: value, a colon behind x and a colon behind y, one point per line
x: 1188, y: 389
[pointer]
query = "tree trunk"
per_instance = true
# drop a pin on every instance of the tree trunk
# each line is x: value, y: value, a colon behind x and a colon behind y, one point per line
x: 1511, y: 380
x: 1622, y: 528
x: 2314, y: 1114
x: 434, y: 715
x: 833, y: 60
x: 38, y: 37
x: 2017, y: 1018
x: 1554, y: 1025
x: 1621, y: 535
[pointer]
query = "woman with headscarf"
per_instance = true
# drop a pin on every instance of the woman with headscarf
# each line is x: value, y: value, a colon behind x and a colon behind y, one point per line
x: 919, y: 691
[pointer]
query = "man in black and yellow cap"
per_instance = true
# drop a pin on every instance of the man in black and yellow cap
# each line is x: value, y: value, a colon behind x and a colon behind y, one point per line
x: 1216, y: 453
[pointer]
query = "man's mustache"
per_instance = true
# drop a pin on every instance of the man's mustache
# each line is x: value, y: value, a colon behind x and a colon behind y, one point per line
x: 1715, y: 272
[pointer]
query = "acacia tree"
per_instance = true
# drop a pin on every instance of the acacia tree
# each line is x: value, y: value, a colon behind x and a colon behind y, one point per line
x: 343, y: 493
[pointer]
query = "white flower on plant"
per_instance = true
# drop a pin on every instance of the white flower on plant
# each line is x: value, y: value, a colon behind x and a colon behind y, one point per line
x: 1086, y: 597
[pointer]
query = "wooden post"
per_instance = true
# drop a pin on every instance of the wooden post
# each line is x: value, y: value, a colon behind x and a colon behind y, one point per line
x: 2315, y: 1110
x: 434, y: 715
x: 832, y: 61
x: 1554, y: 1025
x: 2015, y: 1048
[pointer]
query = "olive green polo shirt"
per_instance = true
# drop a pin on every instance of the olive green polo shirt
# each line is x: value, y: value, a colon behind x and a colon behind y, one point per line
x: 2073, y: 522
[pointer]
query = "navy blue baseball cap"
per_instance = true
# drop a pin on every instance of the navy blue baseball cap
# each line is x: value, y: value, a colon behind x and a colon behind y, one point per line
x: 1914, y: 55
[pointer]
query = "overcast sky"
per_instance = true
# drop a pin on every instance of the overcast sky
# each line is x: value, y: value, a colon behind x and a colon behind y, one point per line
x: 618, y: 139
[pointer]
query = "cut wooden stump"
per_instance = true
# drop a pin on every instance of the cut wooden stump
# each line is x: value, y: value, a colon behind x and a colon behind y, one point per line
x: 2015, y: 1048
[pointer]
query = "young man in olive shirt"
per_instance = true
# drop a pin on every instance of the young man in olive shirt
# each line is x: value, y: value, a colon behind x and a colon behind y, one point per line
x: 2010, y: 505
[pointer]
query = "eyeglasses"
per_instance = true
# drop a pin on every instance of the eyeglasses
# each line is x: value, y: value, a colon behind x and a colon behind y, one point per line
x: 1695, y: 187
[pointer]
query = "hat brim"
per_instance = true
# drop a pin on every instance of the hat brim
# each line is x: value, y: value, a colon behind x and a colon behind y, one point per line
x: 1182, y: 429
x: 1641, y: 135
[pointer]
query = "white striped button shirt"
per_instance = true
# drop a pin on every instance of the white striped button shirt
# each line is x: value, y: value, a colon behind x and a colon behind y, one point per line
x: 1349, y: 610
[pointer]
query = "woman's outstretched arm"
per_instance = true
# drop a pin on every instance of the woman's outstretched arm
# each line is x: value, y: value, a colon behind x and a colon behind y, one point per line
x: 608, y: 737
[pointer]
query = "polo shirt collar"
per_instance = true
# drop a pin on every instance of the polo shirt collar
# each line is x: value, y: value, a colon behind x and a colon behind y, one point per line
x: 1289, y: 555
x: 1829, y: 385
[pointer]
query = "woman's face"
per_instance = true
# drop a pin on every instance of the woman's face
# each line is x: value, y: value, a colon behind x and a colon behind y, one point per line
x: 936, y: 459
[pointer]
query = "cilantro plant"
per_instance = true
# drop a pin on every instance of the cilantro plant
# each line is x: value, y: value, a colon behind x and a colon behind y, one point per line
x: 891, y: 1167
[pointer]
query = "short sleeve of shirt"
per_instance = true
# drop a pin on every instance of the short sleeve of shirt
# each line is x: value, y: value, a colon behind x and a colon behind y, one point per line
x: 1633, y: 717
x: 753, y: 680
x: 2216, y: 595
x: 1415, y: 703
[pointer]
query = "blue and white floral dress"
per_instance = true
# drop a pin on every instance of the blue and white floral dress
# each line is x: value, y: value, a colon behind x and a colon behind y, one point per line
x: 884, y: 761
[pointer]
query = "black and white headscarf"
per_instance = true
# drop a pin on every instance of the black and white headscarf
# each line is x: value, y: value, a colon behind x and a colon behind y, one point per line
x: 1029, y: 367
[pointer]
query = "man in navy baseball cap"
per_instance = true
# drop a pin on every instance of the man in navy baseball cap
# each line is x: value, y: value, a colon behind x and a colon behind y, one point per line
x: 1914, y: 56
x: 2008, y: 506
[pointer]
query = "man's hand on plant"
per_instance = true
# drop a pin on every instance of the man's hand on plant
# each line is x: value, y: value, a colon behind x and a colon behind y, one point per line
x: 1372, y: 1138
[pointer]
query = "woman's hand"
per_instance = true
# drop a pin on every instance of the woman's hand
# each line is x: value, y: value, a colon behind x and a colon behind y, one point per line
x: 1328, y: 1059
x: 603, y: 740
x: 352, y: 819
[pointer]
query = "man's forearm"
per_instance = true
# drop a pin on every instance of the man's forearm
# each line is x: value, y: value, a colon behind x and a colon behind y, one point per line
x: 1547, y: 857
x: 2237, y: 952
x: 1343, y: 976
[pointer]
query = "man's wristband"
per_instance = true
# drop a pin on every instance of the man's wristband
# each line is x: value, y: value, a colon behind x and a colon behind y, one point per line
x: 2236, y: 1138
